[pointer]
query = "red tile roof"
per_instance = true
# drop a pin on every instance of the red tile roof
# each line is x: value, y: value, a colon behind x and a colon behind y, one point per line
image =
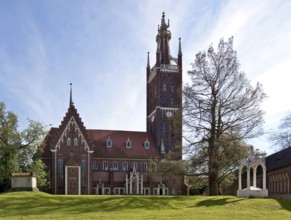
x: 119, y: 149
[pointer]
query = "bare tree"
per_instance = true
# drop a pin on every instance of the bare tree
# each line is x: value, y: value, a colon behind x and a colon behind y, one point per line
x: 282, y: 138
x: 220, y: 101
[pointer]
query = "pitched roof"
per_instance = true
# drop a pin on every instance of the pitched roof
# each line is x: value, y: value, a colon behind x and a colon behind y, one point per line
x: 119, y: 150
x: 279, y: 160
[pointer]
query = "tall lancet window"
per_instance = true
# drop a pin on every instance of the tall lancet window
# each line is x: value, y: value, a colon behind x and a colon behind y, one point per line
x: 69, y: 142
x: 60, y: 173
x: 76, y: 142
x: 83, y: 173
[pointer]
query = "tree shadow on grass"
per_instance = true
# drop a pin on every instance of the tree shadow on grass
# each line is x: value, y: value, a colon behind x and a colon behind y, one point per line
x: 285, y: 204
x: 39, y: 204
x: 216, y: 201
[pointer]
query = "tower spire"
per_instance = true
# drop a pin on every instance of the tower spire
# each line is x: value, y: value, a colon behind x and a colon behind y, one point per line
x: 163, y: 37
x: 71, y: 98
x: 180, y: 49
x: 148, y: 63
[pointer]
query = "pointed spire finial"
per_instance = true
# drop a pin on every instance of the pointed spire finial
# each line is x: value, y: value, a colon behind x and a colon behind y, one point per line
x: 164, y: 26
x: 180, y: 49
x: 71, y: 98
x: 163, y: 23
x: 148, y: 64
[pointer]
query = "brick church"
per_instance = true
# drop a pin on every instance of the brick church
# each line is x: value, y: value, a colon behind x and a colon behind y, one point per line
x: 91, y: 161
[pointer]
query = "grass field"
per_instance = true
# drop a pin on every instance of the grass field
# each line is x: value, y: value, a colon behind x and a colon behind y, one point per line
x: 36, y: 205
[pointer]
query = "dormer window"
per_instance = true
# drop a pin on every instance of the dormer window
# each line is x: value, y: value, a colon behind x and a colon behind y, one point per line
x: 146, y: 144
x: 69, y: 142
x: 128, y: 143
x: 109, y: 142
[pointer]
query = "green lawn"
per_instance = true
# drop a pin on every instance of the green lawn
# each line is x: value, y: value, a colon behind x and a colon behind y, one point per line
x: 36, y: 205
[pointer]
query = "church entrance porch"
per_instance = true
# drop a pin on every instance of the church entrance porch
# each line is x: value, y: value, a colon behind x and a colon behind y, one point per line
x: 72, y: 180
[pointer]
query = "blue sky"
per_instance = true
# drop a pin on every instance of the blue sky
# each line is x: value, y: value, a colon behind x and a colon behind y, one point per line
x: 101, y: 47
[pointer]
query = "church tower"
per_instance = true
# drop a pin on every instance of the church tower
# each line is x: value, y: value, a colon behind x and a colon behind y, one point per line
x: 164, y: 94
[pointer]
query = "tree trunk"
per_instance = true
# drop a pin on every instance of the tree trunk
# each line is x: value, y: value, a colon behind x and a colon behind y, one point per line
x: 213, y: 169
x: 212, y: 179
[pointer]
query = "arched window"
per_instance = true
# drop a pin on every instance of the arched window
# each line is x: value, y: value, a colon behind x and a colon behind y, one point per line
x: 154, y: 166
x: 95, y: 165
x: 76, y: 142
x: 145, y: 166
x: 124, y: 166
x: 135, y: 165
x: 115, y: 165
x: 69, y: 142
x: 109, y: 142
x: 105, y: 165
x: 128, y: 143
x: 146, y: 144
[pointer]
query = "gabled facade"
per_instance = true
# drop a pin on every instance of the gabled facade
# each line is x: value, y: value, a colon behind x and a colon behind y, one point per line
x: 90, y: 161
x: 68, y: 155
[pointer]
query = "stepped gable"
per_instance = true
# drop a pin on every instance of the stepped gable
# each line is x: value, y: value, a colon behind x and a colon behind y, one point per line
x: 119, y: 149
x: 55, y: 134
x: 71, y: 113
x: 279, y: 159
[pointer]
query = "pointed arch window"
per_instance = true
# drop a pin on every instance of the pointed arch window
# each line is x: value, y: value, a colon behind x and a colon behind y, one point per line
x: 144, y: 166
x: 105, y: 165
x: 115, y: 165
x: 69, y: 142
x: 154, y: 166
x: 76, y: 142
x: 124, y: 166
x: 95, y: 165
x: 135, y: 165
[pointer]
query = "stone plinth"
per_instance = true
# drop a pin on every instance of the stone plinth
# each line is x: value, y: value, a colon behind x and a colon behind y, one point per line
x: 23, y: 182
x: 252, y: 192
